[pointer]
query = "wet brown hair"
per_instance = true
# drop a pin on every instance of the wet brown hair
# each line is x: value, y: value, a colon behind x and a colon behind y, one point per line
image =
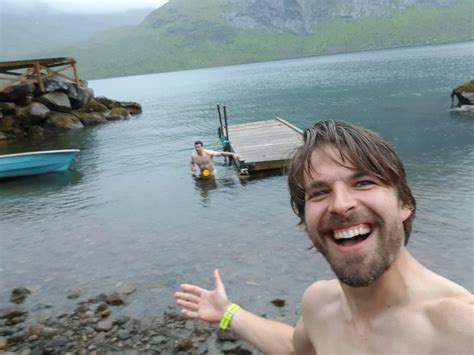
x: 359, y: 148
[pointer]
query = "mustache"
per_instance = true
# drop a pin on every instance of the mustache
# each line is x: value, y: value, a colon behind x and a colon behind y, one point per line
x: 357, y: 217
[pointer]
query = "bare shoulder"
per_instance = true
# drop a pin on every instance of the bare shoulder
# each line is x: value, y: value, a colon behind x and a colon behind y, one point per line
x: 453, y: 311
x: 212, y: 153
x: 321, y: 295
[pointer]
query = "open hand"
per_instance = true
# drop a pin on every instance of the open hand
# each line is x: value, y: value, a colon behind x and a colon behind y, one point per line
x: 199, y: 303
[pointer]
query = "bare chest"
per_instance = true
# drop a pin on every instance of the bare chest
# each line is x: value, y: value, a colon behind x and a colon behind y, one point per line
x: 203, y: 159
x: 396, y: 334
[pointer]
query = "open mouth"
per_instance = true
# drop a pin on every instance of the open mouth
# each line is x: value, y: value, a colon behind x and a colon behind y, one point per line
x: 352, y: 235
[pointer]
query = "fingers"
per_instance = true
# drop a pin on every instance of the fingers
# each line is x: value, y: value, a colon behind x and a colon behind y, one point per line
x: 191, y: 306
x: 217, y: 280
x: 189, y: 314
x: 187, y: 297
x: 191, y: 288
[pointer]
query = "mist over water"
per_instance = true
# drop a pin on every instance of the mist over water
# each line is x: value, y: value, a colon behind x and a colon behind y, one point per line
x: 130, y: 211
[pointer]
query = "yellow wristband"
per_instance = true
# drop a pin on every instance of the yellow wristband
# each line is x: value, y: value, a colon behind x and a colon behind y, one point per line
x: 228, y: 315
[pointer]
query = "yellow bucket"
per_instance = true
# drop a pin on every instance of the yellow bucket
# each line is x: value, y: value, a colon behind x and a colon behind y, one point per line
x: 205, y: 172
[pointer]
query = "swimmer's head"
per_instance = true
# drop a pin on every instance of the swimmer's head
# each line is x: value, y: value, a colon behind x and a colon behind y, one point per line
x: 198, y: 146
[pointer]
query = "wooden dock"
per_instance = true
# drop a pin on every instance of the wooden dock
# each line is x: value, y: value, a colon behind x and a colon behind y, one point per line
x: 263, y: 145
x: 36, y: 71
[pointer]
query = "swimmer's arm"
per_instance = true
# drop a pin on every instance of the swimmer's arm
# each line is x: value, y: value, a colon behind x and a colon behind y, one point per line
x: 223, y: 154
x: 192, y: 164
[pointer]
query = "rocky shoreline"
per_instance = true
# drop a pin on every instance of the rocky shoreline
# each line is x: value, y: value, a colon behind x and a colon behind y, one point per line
x: 92, y: 328
x: 27, y: 113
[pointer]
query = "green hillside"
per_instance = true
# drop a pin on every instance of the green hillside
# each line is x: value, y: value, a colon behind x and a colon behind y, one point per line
x: 184, y: 37
x: 23, y: 31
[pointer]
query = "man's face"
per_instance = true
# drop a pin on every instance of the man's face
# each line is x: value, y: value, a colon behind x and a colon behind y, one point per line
x: 352, y: 218
x: 198, y: 148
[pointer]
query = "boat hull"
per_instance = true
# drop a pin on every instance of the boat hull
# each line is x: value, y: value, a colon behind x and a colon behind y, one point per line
x: 34, y: 163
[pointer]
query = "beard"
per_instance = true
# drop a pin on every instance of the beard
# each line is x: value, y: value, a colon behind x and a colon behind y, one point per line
x: 364, y: 268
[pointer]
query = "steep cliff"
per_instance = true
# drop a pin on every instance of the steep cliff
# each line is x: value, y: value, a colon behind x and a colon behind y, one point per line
x: 280, y: 16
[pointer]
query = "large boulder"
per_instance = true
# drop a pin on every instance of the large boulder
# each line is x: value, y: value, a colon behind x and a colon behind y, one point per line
x: 33, y: 114
x: 56, y: 101
x: 8, y: 108
x: 10, y: 126
x: 117, y: 113
x: 58, y: 83
x: 109, y: 103
x: 64, y: 121
x: 464, y: 93
x: 94, y: 106
x: 134, y: 108
x: 4, y: 136
x: 90, y: 118
x: 81, y: 97
x: 18, y: 93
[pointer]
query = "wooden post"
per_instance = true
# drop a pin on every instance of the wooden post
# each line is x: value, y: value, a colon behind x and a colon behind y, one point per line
x: 38, y: 76
x: 226, y: 126
x: 75, y: 73
x: 221, y: 130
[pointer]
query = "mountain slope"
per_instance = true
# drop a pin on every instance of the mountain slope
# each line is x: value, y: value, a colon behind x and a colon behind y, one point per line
x: 185, y: 34
x: 26, y: 30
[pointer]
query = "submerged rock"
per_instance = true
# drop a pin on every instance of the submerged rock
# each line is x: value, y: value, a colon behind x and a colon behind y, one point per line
x: 11, y: 312
x: 19, y: 294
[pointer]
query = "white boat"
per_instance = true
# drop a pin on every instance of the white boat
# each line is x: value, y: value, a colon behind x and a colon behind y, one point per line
x: 33, y: 163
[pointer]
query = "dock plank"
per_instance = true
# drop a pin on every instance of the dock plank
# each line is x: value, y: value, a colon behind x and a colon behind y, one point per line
x: 265, y: 144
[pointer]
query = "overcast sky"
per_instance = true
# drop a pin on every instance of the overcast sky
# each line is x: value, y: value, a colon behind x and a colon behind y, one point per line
x: 92, y: 6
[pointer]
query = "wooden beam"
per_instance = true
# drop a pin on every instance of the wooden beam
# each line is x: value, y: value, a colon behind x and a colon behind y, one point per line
x: 75, y: 73
x: 38, y: 76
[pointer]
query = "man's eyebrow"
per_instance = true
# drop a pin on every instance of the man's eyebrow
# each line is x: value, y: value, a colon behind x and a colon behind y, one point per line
x: 359, y: 174
x: 322, y: 183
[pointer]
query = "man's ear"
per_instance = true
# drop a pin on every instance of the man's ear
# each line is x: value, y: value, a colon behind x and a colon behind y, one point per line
x: 405, y: 212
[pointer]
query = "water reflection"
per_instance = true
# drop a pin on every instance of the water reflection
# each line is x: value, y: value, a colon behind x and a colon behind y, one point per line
x: 40, y: 184
x: 204, y: 185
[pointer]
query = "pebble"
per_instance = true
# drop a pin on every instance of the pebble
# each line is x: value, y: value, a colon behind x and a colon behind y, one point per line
x: 73, y: 334
x: 123, y: 334
x: 104, y: 324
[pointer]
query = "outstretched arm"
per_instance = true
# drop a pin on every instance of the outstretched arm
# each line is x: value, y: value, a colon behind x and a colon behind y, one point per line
x: 223, y: 154
x: 230, y: 154
x: 269, y: 337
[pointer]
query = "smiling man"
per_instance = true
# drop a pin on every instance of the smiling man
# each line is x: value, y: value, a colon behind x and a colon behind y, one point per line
x: 349, y: 189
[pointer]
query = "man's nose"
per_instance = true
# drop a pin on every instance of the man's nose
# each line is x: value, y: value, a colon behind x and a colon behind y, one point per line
x: 342, y: 200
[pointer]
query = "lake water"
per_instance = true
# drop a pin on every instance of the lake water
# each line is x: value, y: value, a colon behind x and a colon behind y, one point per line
x: 130, y: 212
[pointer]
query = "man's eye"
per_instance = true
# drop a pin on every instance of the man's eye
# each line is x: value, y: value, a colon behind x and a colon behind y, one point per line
x: 316, y: 195
x: 365, y: 183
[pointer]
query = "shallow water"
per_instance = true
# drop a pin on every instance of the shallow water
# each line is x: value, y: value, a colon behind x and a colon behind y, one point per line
x: 129, y: 210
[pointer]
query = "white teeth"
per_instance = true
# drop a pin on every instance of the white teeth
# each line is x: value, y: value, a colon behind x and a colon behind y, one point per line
x: 351, y: 232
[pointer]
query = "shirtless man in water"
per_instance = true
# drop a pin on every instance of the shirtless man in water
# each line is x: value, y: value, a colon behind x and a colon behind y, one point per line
x: 203, y: 158
x: 349, y: 190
